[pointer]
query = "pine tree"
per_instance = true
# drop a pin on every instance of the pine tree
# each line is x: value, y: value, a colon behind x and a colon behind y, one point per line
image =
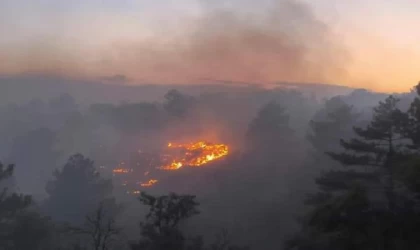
x: 331, y: 124
x: 20, y: 227
x: 161, y: 229
x: 76, y: 191
x: 345, y: 215
x: 10, y: 205
x: 412, y: 129
x: 378, y: 146
x: 269, y: 129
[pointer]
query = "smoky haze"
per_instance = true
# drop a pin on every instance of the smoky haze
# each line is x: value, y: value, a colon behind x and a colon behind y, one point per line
x: 254, y: 193
x: 281, y: 41
x: 92, y: 131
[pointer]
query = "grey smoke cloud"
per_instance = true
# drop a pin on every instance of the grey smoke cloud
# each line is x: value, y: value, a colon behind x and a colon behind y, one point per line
x: 235, y: 40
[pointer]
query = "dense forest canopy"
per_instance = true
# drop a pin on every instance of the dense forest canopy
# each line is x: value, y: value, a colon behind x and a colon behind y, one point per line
x: 222, y: 168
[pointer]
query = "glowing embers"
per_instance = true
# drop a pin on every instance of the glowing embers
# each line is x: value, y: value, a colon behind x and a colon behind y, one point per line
x: 193, y: 154
x: 120, y: 169
x: 149, y: 183
x: 144, y: 170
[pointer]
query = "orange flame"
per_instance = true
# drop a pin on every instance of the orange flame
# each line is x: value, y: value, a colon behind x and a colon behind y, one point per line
x: 121, y: 171
x: 196, y: 154
x: 149, y: 183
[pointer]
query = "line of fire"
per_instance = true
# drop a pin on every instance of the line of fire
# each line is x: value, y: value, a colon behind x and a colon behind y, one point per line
x: 142, y: 168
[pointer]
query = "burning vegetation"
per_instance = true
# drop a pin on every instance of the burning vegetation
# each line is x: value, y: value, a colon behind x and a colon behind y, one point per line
x: 149, y: 183
x: 195, y: 154
x: 175, y: 156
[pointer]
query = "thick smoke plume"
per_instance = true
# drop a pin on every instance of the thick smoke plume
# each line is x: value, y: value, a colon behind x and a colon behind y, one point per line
x: 282, y: 41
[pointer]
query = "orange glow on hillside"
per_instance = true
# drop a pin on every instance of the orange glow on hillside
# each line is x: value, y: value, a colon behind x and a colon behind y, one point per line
x: 121, y: 171
x: 149, y: 183
x: 195, y: 154
x: 176, y: 156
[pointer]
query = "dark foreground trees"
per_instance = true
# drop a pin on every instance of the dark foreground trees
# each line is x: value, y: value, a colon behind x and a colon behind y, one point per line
x: 371, y: 202
x: 162, y: 228
x: 269, y: 128
x: 76, y: 191
x: 21, y: 226
x: 100, y: 230
x: 333, y: 122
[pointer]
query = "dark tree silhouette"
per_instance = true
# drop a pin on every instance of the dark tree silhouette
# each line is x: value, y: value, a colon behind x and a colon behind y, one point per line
x: 100, y: 226
x: 10, y: 204
x: 130, y: 117
x: 31, y: 231
x: 76, y: 190
x: 334, y: 122
x: 20, y: 228
x: 378, y: 146
x: 270, y: 129
x: 358, y: 208
x: 178, y: 104
x: 412, y: 129
x: 161, y: 229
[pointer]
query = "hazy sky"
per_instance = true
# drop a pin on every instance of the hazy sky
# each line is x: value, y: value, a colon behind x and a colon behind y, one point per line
x: 365, y: 43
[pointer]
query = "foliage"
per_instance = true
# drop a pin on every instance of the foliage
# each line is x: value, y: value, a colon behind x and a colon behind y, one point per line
x: 350, y: 212
x: 412, y: 130
x: 378, y: 146
x: 17, y: 222
x: 31, y: 231
x: 177, y: 104
x: 100, y: 226
x: 269, y: 128
x: 76, y: 190
x: 330, y: 124
x: 161, y: 229
x: 129, y: 117
x: 378, y: 141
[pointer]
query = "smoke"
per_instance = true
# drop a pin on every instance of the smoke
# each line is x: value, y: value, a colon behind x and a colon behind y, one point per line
x: 277, y: 41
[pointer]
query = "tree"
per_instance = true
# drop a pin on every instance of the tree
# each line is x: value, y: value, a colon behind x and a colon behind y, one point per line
x: 409, y: 170
x: 269, y: 129
x: 334, y: 122
x: 161, y: 230
x: 412, y: 129
x: 20, y: 228
x: 178, y: 104
x: 76, y: 190
x: 378, y: 146
x: 129, y: 117
x: 334, y: 223
x: 31, y: 231
x: 100, y: 225
x: 10, y: 205
x: 350, y: 212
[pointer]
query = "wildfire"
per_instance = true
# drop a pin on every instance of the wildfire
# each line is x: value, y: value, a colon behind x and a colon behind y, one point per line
x: 121, y: 171
x: 141, y: 171
x: 149, y: 183
x: 195, y: 154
